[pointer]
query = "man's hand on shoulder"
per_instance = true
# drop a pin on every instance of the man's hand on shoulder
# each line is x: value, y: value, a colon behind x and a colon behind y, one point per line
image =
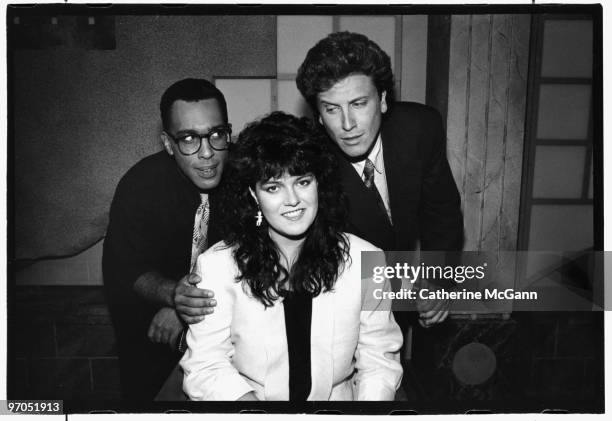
x: 165, y: 327
x: 191, y: 302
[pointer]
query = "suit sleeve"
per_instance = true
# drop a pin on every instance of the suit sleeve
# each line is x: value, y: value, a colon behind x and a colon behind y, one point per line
x: 132, y: 245
x: 379, y: 371
x: 440, y: 219
x: 207, y: 363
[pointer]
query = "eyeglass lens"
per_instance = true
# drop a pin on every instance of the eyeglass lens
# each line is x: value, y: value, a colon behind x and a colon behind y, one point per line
x: 217, y: 139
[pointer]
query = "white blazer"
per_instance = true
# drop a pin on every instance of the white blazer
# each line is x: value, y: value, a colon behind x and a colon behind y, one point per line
x: 242, y: 346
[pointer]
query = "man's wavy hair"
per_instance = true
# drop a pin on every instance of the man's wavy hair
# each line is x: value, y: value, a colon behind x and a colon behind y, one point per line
x: 339, y: 55
x: 277, y: 144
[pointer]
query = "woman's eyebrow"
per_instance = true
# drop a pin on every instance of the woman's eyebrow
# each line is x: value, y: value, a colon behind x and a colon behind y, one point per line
x: 270, y: 182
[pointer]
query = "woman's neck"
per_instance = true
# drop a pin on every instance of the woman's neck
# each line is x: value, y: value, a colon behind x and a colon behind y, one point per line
x: 289, y: 248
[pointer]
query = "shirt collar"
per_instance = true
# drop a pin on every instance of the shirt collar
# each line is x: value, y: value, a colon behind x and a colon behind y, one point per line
x: 375, y: 156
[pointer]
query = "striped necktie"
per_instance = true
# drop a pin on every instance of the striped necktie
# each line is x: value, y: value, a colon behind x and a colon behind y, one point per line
x: 200, y: 230
x: 368, y: 180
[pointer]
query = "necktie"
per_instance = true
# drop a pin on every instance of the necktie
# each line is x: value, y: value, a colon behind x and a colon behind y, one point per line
x: 368, y: 175
x: 200, y: 230
x: 368, y: 180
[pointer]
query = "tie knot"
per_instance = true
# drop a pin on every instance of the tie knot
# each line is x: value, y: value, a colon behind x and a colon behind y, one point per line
x: 368, y: 173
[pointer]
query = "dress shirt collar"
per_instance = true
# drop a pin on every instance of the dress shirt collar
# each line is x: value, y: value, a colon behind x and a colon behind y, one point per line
x: 375, y: 156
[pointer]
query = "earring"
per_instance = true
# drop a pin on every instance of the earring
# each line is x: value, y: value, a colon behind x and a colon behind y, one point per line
x: 258, y: 218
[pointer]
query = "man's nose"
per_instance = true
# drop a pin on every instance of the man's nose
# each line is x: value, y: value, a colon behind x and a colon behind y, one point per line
x: 291, y: 199
x: 205, y: 151
x: 348, y: 120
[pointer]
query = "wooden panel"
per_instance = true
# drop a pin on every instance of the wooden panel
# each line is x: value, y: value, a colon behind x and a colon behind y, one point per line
x: 513, y: 142
x: 515, y: 131
x: 458, y: 94
x: 496, y: 132
x: 486, y: 117
x: 478, y: 108
x: 414, y: 58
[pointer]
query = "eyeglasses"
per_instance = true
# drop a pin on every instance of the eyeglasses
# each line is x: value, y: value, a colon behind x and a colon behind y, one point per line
x: 218, y: 138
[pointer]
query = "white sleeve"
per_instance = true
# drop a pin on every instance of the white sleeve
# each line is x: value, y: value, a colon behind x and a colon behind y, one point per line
x: 379, y: 371
x: 207, y: 363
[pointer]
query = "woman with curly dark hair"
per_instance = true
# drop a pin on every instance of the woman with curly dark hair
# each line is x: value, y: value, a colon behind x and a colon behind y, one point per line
x: 289, y: 324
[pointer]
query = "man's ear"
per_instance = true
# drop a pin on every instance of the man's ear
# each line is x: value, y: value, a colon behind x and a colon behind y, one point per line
x: 383, y: 102
x: 320, y: 120
x: 166, y: 141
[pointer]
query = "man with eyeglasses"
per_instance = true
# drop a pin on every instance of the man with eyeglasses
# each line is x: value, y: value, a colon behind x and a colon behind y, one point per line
x: 164, y: 214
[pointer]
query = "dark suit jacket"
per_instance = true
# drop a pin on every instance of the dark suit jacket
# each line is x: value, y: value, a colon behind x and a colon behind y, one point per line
x: 150, y: 229
x: 424, y: 201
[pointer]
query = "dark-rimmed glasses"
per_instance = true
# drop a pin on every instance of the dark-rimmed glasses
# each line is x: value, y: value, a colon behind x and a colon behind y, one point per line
x: 190, y: 143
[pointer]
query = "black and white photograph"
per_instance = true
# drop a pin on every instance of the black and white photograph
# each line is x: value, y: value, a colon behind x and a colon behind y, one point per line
x: 216, y: 208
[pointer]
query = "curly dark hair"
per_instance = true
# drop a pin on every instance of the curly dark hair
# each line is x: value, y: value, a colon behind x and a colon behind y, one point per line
x: 339, y: 55
x: 268, y: 148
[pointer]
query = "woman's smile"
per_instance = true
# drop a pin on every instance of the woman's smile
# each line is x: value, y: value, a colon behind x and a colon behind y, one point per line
x: 294, y: 215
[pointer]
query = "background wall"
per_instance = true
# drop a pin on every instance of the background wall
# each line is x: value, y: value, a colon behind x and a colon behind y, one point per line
x: 83, y: 117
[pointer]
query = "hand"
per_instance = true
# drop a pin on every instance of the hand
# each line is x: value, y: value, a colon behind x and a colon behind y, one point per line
x: 191, y: 302
x: 432, y: 311
x: 165, y: 327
